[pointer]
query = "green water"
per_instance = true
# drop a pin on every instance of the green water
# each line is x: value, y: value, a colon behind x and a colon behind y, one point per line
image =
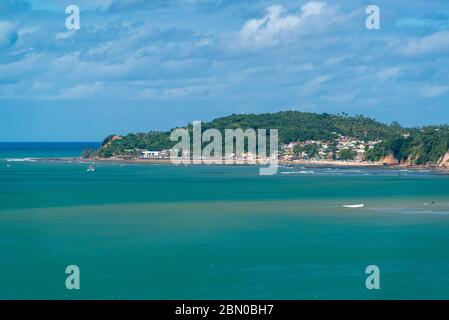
x: 210, y: 232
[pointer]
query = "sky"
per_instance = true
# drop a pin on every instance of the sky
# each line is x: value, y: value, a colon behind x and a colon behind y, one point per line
x: 141, y: 65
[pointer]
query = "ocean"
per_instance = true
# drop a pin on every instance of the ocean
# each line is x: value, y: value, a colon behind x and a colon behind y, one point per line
x: 217, y: 232
x: 20, y: 150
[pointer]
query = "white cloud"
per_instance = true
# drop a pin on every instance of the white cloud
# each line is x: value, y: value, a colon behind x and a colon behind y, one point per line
x: 340, y: 98
x: 8, y: 34
x: 82, y: 91
x: 313, y: 8
x: 64, y: 35
x: 389, y: 73
x: 278, y: 26
x: 84, y: 4
x: 436, y: 42
x: 432, y: 91
x: 336, y: 60
x: 313, y: 86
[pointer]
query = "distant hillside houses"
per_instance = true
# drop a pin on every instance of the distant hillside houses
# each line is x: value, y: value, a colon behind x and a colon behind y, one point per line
x: 162, y: 154
x: 306, y: 135
x: 342, y: 148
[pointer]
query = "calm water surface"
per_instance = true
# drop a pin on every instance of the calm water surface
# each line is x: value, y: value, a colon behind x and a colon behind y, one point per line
x: 213, y: 232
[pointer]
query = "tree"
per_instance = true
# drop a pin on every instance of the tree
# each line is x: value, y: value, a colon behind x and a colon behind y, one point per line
x: 297, y: 150
x: 422, y: 145
x: 346, y: 154
x: 87, y: 153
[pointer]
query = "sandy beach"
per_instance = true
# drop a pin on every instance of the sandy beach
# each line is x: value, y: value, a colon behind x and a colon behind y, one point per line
x: 317, y: 163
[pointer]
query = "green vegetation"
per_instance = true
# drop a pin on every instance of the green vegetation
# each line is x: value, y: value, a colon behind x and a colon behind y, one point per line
x: 88, y: 153
x: 130, y: 144
x: 424, y: 146
x: 346, y: 154
x: 416, y: 146
x: 300, y: 126
x: 311, y: 150
x: 297, y: 150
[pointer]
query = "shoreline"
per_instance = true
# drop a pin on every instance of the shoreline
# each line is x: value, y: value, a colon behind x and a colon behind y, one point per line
x: 313, y: 163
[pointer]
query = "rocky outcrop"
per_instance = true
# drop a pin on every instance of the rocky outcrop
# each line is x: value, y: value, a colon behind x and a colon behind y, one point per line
x: 444, y: 161
x: 112, y: 140
x: 408, y: 162
x: 390, y: 160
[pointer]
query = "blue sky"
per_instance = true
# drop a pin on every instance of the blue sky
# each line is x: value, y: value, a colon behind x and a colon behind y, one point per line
x: 140, y: 65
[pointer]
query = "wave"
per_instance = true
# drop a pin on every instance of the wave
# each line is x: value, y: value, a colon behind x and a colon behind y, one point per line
x: 20, y: 160
x: 424, y: 212
x: 413, y: 211
x: 298, y: 172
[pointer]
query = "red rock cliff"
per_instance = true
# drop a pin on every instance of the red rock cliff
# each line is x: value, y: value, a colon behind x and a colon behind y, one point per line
x: 390, y: 160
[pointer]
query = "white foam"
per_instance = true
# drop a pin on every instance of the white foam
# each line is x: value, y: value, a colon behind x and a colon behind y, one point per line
x: 354, y: 205
x: 21, y: 160
x: 425, y: 212
x: 298, y: 172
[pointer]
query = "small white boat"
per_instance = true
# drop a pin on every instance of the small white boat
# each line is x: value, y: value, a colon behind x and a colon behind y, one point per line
x: 353, y: 205
x: 91, y: 168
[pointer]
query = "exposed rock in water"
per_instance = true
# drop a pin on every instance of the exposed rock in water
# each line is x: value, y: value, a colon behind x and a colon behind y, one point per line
x: 390, y: 160
x: 444, y: 161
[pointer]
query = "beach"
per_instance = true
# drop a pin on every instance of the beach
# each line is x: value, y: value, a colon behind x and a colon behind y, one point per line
x: 312, y: 163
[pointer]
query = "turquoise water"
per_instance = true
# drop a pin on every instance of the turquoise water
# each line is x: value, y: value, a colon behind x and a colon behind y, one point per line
x: 17, y: 150
x: 221, y: 232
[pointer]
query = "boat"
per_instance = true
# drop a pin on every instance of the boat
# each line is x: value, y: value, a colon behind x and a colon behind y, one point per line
x: 91, y: 168
x: 353, y: 205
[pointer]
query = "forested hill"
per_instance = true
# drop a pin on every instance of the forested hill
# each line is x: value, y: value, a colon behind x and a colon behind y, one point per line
x: 414, y: 145
x: 299, y: 126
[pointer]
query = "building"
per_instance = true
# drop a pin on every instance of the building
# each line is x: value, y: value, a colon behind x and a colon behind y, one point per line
x: 151, y: 154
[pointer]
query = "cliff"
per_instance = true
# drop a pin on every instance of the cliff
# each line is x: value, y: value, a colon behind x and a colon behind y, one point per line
x: 444, y: 161
x: 390, y: 160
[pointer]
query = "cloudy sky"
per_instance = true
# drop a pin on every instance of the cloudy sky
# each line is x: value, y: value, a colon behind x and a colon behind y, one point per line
x: 138, y: 65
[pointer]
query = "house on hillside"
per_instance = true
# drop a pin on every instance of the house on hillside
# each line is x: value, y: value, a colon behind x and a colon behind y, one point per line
x: 151, y: 154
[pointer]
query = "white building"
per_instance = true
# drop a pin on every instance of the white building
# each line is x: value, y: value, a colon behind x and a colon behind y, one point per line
x: 151, y: 154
